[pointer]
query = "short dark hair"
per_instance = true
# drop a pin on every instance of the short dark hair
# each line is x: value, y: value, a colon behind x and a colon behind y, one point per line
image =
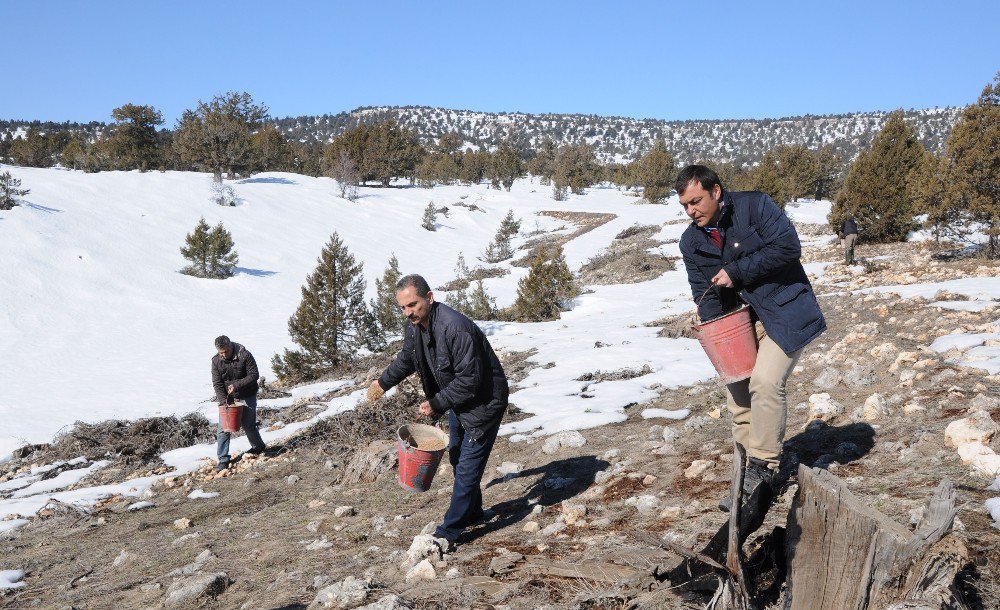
x: 417, y: 281
x: 704, y: 175
x: 222, y: 341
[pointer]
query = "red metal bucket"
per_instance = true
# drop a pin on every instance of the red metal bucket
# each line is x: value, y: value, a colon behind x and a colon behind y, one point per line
x: 420, y: 450
x: 231, y: 416
x: 730, y: 343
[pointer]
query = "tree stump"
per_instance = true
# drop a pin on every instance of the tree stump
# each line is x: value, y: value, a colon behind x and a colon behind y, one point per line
x: 845, y: 555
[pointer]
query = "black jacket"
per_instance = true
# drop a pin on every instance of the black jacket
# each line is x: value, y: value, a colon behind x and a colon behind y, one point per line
x: 240, y: 370
x: 760, y: 252
x: 465, y: 375
x: 849, y: 227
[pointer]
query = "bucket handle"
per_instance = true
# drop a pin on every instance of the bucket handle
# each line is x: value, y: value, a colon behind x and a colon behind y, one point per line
x: 697, y: 303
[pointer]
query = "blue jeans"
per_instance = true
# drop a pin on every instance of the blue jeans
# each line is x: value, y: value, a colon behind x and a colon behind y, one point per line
x: 468, y: 459
x: 249, y: 425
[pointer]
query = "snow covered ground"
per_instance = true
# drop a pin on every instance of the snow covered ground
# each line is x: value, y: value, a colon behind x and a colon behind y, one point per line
x: 99, y: 323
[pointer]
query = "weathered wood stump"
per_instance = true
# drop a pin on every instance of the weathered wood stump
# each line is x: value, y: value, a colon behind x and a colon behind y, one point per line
x: 845, y: 555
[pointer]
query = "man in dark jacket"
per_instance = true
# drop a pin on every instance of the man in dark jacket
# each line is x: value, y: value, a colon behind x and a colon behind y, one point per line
x: 849, y: 238
x: 461, y: 376
x: 234, y: 375
x: 742, y: 249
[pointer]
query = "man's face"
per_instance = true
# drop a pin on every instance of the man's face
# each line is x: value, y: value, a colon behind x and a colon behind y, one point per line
x: 701, y: 205
x: 226, y: 352
x: 416, y: 308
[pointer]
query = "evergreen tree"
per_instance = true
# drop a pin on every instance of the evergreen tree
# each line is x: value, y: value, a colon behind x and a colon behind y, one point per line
x: 331, y: 323
x: 345, y: 172
x: 766, y: 178
x: 505, y: 166
x: 798, y: 169
x: 932, y: 196
x: 473, y: 166
x: 575, y: 168
x: 500, y: 249
x: 381, y: 152
x: 544, y: 163
x: 10, y: 191
x: 222, y: 259
x: 217, y: 136
x: 974, y: 150
x: 132, y: 141
x: 656, y: 173
x: 389, y: 321
x: 430, y: 217
x: 197, y: 249
x: 481, y: 305
x: 547, y: 288
x: 879, y: 188
x: 34, y: 150
x: 271, y: 150
x: 458, y: 299
x: 72, y: 154
x: 829, y: 170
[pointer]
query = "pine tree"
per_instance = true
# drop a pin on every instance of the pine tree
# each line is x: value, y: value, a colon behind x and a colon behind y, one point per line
x: 657, y: 170
x: 381, y: 152
x: 932, y: 197
x: 766, y: 178
x: 389, y: 321
x: 10, y: 191
x: 217, y: 136
x: 331, y: 323
x: 133, y: 142
x: 879, y: 188
x: 505, y: 166
x: 271, y: 150
x: 458, y: 299
x: 575, y: 169
x: 544, y: 163
x: 72, y: 154
x: 547, y: 288
x: 430, y: 217
x: 481, y: 305
x: 974, y: 151
x: 222, y: 259
x: 197, y: 249
x: 500, y: 249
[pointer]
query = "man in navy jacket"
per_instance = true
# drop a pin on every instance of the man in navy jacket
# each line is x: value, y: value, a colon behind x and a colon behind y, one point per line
x: 742, y: 249
x: 461, y: 376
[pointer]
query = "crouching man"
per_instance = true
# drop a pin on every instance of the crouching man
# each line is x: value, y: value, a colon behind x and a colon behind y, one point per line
x: 234, y: 375
x: 741, y: 249
x: 461, y: 376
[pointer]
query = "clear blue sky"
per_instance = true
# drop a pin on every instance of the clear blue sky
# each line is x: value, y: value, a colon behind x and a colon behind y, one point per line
x: 75, y: 60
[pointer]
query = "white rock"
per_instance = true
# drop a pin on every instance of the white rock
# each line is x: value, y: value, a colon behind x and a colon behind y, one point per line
x: 185, y: 538
x: 531, y: 526
x: 424, y: 570
x: 646, y: 505
x: 510, y: 468
x: 424, y: 546
x: 389, y: 602
x: 671, y: 512
x: 565, y: 439
x: 987, y: 464
x: 573, y: 513
x: 349, y: 593
x: 452, y: 573
x: 875, y: 408
x: 344, y: 511
x: 611, y: 454
x: 978, y: 427
x: 182, y: 524
x: 828, y: 379
x: 670, y: 435
x: 824, y: 408
x: 969, y: 451
x: 140, y: 506
x: 319, y: 545
x: 185, y: 592
x: 292, y: 479
x: 121, y: 559
x: 553, y: 529
x: 993, y: 508
x: 697, y: 468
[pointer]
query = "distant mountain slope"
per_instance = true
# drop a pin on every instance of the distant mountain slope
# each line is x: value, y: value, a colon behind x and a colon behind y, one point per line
x: 614, y: 138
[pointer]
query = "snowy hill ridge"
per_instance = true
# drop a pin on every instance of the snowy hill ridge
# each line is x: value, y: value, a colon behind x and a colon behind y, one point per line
x: 614, y: 138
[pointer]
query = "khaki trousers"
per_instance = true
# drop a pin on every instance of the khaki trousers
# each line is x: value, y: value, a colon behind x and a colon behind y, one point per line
x: 849, y: 243
x: 758, y: 404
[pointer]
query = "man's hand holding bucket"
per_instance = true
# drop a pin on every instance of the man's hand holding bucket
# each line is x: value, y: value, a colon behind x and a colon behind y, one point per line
x: 425, y: 409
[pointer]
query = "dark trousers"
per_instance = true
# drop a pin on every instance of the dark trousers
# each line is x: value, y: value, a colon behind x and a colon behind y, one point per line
x: 468, y: 459
x: 249, y: 425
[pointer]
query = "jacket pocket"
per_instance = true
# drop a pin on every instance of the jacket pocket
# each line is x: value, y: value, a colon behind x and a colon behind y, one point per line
x: 788, y: 293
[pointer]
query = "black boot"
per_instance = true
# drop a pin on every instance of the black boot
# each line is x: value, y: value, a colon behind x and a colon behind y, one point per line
x: 757, y: 474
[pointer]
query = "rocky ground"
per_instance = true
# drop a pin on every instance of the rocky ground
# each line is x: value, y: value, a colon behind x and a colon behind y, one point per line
x: 868, y: 401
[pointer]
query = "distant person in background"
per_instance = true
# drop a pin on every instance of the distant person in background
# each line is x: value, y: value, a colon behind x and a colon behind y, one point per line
x: 234, y: 375
x: 849, y: 238
x: 741, y: 249
x: 461, y: 376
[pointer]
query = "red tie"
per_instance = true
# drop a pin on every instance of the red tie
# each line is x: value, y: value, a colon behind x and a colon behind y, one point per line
x: 716, y: 237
